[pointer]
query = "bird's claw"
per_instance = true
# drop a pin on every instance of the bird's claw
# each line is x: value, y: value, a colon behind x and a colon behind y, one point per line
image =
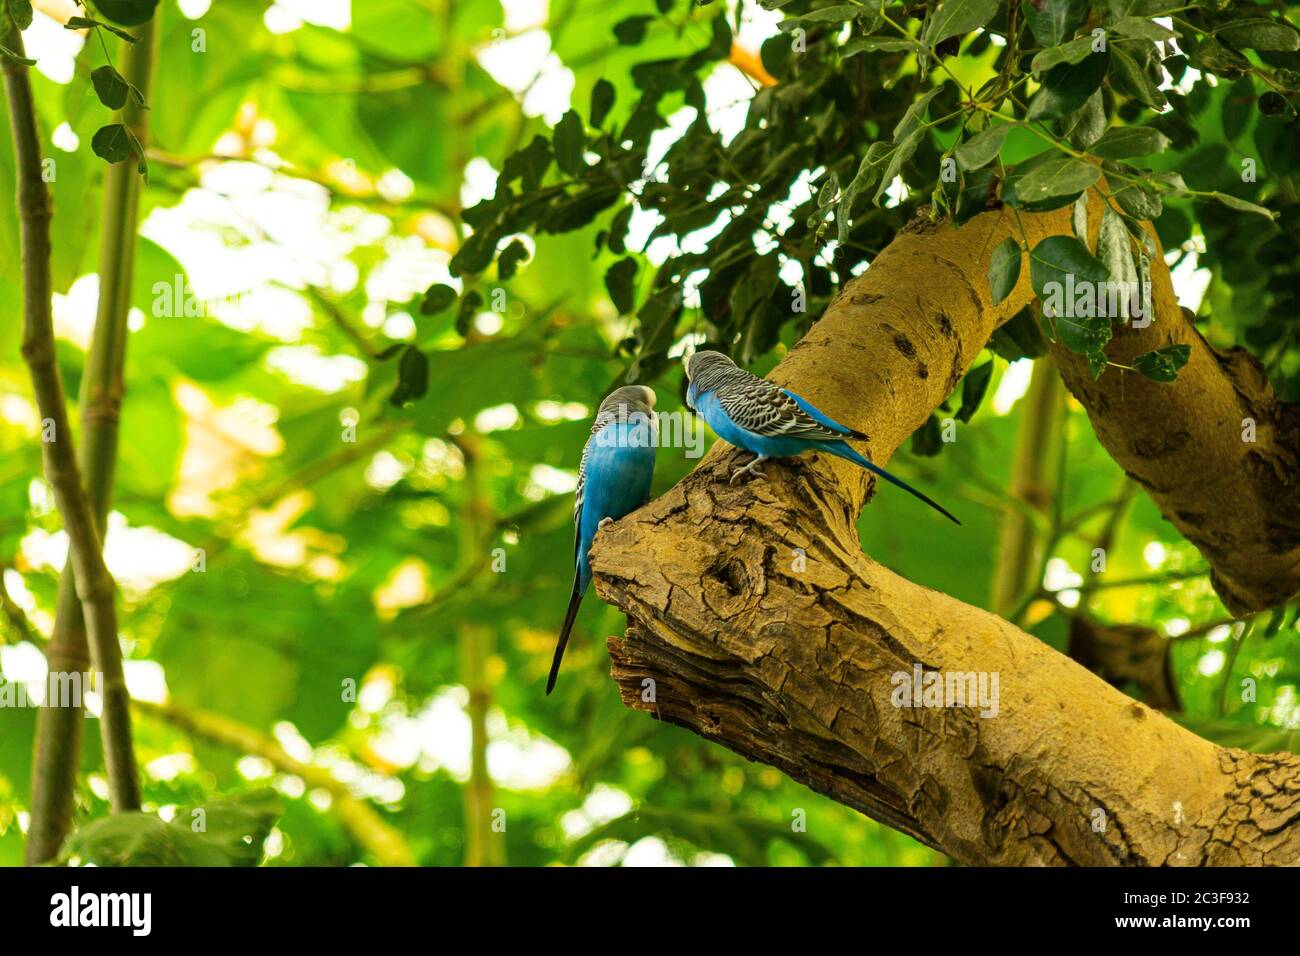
x: 604, y: 521
x: 752, y: 468
x: 756, y: 472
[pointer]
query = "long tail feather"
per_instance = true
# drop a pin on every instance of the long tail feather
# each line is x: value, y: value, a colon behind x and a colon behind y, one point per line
x: 575, y: 600
x: 845, y: 451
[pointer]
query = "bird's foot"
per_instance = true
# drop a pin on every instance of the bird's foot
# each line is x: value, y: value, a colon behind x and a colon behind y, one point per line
x: 752, y: 467
x: 604, y: 521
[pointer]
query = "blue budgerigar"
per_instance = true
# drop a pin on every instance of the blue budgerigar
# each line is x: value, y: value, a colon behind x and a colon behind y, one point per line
x: 618, y: 463
x: 761, y: 417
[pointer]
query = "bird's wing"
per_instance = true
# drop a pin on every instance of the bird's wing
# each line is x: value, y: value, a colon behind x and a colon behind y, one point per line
x: 601, y: 421
x: 761, y: 407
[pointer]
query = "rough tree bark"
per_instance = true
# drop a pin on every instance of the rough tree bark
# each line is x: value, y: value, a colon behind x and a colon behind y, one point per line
x: 1216, y: 450
x: 794, y: 667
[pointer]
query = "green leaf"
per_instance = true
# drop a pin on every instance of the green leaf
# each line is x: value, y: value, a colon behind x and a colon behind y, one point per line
x: 1242, y: 205
x: 602, y: 100
x: 618, y: 230
x: 1083, y: 127
x: 1115, y: 250
x: 830, y: 189
x: 1004, y: 269
x: 982, y: 148
x: 112, y: 143
x: 631, y: 30
x: 657, y: 319
x: 837, y: 14
x: 1062, y: 178
x: 21, y: 11
x: 1053, y: 21
x: 915, y: 115
x: 9, y: 54
x: 470, y: 305
x: 1273, y: 103
x: 927, y: 441
x: 1259, y: 33
x: 1142, y: 28
x: 869, y: 171
x: 1135, y: 80
x: 877, y: 45
x: 1137, y: 201
x: 130, y: 13
x: 954, y: 17
x: 110, y: 87
x: 475, y: 253
x: 1079, y: 219
x: 971, y: 194
x: 1096, y: 363
x: 973, y: 387
x: 527, y: 164
x: 90, y: 23
x: 509, y: 260
x: 1125, y: 141
x: 412, y: 377
x: 1058, y: 256
x: 578, y: 209
x: 1163, y: 364
x: 619, y: 282
x: 1059, y: 266
x: 1072, y: 52
x: 1019, y: 337
x: 436, y: 298
x: 1067, y: 87
x: 1220, y: 59
x: 900, y: 155
x: 570, y: 141
x: 223, y: 831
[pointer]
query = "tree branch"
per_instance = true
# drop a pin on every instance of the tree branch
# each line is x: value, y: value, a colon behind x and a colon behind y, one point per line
x: 1216, y: 450
x: 796, y: 663
x: 94, y: 585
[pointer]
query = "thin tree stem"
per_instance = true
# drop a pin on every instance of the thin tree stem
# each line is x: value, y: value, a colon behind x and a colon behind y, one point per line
x: 484, y: 846
x: 94, y: 587
x: 1035, y: 462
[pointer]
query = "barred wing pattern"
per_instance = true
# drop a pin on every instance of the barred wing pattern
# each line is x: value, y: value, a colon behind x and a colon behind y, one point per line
x: 761, y: 407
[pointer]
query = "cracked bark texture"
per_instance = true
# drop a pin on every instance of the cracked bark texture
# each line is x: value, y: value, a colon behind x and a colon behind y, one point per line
x: 764, y: 627
x: 1234, y: 495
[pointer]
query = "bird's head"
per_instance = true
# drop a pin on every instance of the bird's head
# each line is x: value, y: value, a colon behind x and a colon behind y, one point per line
x: 634, y: 398
x: 700, y: 362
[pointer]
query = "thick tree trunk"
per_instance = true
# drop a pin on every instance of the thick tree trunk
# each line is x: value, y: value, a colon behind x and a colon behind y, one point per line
x: 756, y: 621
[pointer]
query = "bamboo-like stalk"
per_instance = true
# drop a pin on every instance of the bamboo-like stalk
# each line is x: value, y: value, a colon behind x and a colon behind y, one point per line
x: 1034, y: 467
x: 86, y: 623
x: 483, y: 845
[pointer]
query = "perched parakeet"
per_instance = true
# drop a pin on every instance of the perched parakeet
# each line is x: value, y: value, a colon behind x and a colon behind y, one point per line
x: 761, y: 417
x: 618, y: 462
